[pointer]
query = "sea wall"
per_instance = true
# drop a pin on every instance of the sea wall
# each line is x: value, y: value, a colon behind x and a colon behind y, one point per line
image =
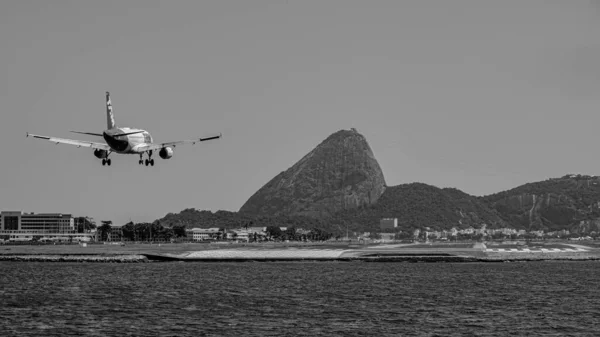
x: 498, y: 257
x: 76, y: 258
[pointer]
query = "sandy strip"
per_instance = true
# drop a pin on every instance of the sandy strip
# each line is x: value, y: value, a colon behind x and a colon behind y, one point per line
x: 264, y: 254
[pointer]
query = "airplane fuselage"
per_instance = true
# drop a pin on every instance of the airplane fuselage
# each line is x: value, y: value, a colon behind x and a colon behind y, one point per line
x: 126, y: 144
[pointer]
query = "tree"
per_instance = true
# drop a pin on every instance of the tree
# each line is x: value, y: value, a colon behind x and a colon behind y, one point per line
x: 179, y: 231
x: 105, y: 230
x: 497, y: 236
x: 291, y: 233
x: 129, y: 231
x: 274, y: 232
x: 84, y: 224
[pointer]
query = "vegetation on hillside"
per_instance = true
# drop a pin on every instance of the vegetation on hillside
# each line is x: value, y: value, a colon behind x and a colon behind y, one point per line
x: 569, y: 202
x: 419, y: 205
x: 191, y: 218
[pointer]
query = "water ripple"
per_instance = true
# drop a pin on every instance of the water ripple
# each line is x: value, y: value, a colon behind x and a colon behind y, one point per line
x: 299, y: 299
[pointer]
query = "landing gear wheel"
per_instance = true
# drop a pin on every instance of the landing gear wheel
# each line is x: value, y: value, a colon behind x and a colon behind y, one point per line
x: 141, y: 162
x: 147, y: 162
x: 103, y: 162
x: 108, y: 161
x: 152, y: 162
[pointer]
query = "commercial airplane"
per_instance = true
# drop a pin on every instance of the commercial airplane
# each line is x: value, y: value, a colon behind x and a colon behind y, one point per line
x: 123, y: 140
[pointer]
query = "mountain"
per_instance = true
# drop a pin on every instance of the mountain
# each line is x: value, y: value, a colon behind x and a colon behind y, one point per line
x: 340, y: 173
x: 419, y: 205
x: 569, y: 202
x: 339, y: 186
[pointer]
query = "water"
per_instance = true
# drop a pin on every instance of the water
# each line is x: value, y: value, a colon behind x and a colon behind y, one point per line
x: 300, y: 299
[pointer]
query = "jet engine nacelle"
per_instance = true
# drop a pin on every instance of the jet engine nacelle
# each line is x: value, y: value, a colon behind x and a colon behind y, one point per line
x: 166, y: 152
x: 100, y: 153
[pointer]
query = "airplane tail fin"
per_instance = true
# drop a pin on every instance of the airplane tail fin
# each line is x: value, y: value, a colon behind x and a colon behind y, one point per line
x: 110, y: 117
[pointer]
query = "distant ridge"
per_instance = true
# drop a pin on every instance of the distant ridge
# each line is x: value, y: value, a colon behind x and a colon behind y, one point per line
x: 570, y: 202
x: 418, y: 205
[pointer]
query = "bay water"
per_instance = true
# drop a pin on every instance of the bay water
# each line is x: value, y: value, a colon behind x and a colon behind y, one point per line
x: 300, y: 299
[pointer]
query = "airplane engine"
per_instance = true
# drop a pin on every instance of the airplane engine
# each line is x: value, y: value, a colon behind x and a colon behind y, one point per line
x: 100, y: 153
x: 166, y: 152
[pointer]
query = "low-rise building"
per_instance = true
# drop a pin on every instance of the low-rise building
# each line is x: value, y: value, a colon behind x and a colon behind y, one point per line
x: 20, y: 226
x: 388, y: 223
x: 40, y: 223
x: 201, y: 234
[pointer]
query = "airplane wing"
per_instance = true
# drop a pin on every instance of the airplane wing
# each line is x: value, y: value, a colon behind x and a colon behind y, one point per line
x: 159, y: 146
x: 78, y: 143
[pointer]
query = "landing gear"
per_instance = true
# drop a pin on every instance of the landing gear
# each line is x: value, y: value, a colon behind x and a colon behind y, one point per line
x: 104, y: 155
x: 148, y: 161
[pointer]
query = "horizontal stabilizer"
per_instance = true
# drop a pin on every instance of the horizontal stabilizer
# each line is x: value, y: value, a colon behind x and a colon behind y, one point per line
x: 88, y: 133
x: 209, y: 138
x: 127, y: 134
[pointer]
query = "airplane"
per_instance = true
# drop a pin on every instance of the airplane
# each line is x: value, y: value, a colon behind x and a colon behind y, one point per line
x: 124, y: 140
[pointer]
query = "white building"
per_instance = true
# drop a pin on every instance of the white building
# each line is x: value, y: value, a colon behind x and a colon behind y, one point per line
x: 19, y: 226
x: 201, y: 234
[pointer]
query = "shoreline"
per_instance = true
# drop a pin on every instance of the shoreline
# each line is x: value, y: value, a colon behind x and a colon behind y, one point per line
x: 401, y: 258
x: 417, y: 253
x: 121, y: 258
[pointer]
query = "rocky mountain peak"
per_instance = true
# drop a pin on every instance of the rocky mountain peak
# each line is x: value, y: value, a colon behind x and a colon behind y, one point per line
x: 340, y: 173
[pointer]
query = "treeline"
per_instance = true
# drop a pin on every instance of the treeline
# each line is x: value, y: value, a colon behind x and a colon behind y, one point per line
x: 191, y: 218
x: 275, y: 233
x: 144, y: 231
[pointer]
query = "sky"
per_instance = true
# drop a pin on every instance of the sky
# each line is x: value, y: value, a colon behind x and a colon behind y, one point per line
x: 478, y: 95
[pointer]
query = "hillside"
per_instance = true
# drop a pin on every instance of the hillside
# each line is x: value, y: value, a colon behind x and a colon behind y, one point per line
x: 570, y: 202
x: 340, y: 173
x: 415, y: 205
x: 191, y: 218
x: 419, y: 205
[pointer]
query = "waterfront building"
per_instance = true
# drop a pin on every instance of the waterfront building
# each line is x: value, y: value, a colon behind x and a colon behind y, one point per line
x: 21, y: 226
x: 40, y: 223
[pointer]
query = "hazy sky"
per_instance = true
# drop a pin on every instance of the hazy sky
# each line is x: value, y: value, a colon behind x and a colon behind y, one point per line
x: 478, y: 95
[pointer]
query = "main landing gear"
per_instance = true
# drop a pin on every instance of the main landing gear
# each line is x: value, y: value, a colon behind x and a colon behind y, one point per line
x: 148, y: 161
x: 106, y: 160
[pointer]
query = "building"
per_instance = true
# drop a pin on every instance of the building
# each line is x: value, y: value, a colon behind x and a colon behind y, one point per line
x: 40, y: 223
x: 388, y: 223
x: 201, y: 234
x: 116, y: 233
x: 20, y: 226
